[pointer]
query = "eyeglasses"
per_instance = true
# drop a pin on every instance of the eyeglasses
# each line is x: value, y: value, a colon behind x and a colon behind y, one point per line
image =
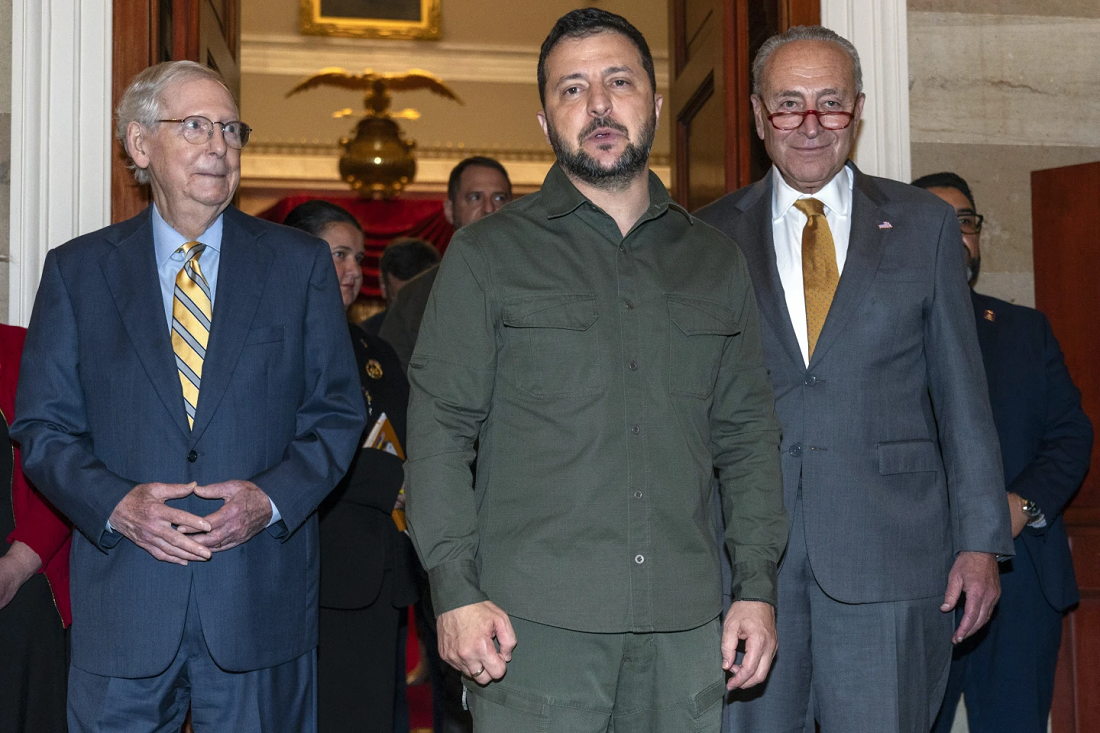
x: 199, y: 130
x: 970, y: 223
x: 792, y: 120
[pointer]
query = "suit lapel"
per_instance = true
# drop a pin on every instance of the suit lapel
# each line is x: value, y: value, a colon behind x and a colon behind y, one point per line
x: 755, y: 239
x: 865, y: 246
x: 131, y: 274
x: 242, y: 272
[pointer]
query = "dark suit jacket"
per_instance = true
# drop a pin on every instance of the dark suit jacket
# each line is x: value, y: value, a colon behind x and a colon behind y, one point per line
x: 402, y: 323
x: 888, y: 432
x: 359, y: 541
x: 1046, y: 439
x: 100, y: 410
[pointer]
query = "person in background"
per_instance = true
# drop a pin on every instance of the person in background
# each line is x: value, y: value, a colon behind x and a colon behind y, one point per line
x: 188, y: 397
x: 1006, y: 670
x: 477, y: 187
x: 401, y: 261
x: 34, y: 581
x: 366, y: 579
x: 891, y: 467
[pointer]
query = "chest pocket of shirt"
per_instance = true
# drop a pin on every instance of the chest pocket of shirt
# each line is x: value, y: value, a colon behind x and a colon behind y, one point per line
x: 697, y: 338
x: 550, y: 345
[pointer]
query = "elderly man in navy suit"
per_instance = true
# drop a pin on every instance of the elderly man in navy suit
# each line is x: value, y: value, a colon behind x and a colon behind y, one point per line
x: 189, y: 396
x: 1006, y: 671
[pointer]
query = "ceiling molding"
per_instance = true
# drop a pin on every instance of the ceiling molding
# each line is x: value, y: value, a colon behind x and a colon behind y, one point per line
x: 294, y: 55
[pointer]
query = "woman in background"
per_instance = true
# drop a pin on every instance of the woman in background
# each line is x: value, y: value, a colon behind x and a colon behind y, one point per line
x: 34, y: 606
x: 366, y: 577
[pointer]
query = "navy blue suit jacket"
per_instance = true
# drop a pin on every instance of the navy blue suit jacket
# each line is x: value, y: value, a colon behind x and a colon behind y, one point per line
x: 101, y: 410
x: 1046, y: 439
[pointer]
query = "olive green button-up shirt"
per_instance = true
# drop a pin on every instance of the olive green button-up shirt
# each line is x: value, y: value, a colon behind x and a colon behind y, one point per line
x: 601, y: 380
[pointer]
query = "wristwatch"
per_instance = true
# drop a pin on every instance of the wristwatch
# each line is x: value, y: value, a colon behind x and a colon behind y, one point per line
x: 1034, y: 514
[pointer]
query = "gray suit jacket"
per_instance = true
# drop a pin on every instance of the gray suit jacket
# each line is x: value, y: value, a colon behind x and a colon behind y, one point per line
x: 889, y: 430
x: 101, y: 410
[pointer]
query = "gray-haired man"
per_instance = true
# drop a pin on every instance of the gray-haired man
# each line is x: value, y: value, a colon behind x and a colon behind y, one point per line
x: 190, y: 395
x: 891, y: 468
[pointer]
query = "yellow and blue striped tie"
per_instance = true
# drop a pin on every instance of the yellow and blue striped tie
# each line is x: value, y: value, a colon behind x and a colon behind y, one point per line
x: 191, y: 314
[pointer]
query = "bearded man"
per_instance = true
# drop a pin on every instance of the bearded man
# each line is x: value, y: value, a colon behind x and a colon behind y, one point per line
x: 600, y: 350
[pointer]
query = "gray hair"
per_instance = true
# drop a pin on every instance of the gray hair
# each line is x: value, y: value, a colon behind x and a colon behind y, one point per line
x: 143, y: 101
x: 804, y: 33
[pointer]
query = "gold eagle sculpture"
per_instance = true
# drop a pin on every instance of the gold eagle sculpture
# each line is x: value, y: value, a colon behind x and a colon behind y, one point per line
x: 378, y: 162
x: 378, y: 87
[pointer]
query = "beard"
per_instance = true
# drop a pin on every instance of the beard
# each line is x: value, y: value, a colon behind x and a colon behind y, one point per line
x: 583, y: 166
x: 973, y: 267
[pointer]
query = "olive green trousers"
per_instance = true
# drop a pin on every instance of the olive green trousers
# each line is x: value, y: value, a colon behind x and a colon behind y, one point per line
x: 562, y: 681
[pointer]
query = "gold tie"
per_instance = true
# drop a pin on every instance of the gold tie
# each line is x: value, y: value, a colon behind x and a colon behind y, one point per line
x: 819, y: 271
x: 191, y: 314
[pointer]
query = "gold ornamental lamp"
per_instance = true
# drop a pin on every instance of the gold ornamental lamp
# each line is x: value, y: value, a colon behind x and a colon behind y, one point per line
x: 378, y: 162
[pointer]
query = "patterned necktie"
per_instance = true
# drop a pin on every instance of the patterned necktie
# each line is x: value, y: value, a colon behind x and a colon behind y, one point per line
x: 191, y: 314
x: 819, y: 271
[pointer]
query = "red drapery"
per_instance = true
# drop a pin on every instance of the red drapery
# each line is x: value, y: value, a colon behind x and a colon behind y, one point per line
x: 382, y: 221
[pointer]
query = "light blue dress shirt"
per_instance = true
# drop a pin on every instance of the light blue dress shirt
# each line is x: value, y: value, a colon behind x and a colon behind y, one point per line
x: 166, y: 243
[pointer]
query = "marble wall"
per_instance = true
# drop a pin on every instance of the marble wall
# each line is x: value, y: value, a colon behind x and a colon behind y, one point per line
x: 999, y: 88
x: 5, y: 151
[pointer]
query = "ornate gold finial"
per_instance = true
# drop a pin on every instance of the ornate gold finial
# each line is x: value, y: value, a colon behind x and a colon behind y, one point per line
x: 378, y: 162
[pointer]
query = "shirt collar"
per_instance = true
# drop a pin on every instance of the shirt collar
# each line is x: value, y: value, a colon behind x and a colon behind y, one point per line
x: 836, y: 194
x: 562, y: 197
x: 167, y: 240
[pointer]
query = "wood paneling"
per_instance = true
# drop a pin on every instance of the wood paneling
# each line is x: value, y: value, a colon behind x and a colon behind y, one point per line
x: 1065, y: 206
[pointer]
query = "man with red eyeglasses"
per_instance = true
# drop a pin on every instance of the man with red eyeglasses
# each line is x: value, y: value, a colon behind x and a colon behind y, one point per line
x: 891, y: 469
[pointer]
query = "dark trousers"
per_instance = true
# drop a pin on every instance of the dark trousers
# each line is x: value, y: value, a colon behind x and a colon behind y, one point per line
x: 356, y: 659
x: 279, y: 698
x: 1006, y: 670
x: 448, y: 714
x: 34, y: 662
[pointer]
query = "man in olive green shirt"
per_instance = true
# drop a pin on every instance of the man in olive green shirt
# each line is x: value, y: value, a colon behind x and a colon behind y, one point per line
x: 600, y: 350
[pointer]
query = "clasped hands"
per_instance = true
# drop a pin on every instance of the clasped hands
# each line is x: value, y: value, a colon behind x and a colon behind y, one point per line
x: 175, y: 536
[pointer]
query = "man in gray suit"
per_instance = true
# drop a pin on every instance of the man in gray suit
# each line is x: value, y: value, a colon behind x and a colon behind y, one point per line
x: 188, y: 396
x: 891, y: 468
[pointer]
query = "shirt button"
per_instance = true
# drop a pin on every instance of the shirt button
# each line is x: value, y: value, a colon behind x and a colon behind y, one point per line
x: 637, y: 495
x: 635, y: 429
x: 811, y: 380
x: 622, y: 249
x: 796, y: 450
x: 192, y: 456
x: 633, y: 366
x: 639, y: 559
x: 630, y: 305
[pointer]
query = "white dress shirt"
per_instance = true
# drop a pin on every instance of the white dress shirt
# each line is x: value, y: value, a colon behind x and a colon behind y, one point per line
x: 787, y: 225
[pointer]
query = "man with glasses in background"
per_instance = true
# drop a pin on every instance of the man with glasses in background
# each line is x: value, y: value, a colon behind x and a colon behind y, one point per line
x: 189, y: 396
x: 1006, y: 671
x: 890, y: 465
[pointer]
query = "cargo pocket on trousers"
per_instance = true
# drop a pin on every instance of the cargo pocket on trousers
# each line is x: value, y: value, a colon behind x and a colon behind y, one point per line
x: 497, y: 709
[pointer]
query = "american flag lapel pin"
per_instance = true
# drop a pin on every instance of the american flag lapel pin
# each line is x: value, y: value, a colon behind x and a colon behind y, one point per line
x: 990, y: 316
x: 885, y: 225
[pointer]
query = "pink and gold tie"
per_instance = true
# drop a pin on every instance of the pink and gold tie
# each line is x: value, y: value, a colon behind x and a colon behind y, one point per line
x: 819, y: 270
x: 191, y: 314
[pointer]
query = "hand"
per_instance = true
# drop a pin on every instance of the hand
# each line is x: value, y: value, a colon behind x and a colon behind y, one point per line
x: 399, y: 503
x: 466, y: 637
x: 1016, y: 511
x: 244, y: 515
x: 16, y: 568
x: 754, y: 623
x: 976, y: 575
x: 143, y: 517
